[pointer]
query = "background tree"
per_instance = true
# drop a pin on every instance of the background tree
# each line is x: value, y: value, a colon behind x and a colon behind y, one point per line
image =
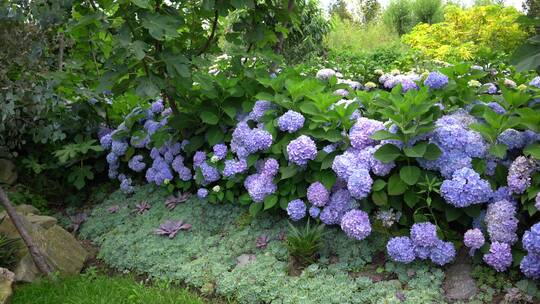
x: 398, y: 15
x: 427, y: 11
x: 368, y: 10
x: 339, y: 8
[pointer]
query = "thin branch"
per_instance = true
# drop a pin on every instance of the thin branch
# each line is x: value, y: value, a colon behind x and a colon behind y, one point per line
x: 34, y: 251
x: 212, y: 33
x: 60, y: 51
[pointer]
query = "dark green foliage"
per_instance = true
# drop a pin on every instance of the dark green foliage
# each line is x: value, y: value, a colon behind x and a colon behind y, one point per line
x: 92, y: 288
x: 399, y: 16
x: 8, y: 250
x: 427, y: 11
x: 340, y: 9
x: 304, y: 243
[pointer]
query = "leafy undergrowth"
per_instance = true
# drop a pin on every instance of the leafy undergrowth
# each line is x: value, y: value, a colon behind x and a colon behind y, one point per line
x: 92, y: 288
x: 205, y: 257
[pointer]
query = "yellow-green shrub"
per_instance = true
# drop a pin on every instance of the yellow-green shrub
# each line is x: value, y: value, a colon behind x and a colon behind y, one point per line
x: 467, y: 34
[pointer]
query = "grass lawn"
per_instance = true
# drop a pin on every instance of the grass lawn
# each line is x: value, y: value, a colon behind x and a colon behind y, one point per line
x: 100, y: 289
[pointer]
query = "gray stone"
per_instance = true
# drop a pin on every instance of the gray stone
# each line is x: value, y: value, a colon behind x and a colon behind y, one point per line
x: 245, y: 259
x: 458, y: 283
x: 61, y: 250
x: 26, y: 209
x: 6, y: 282
x: 43, y: 221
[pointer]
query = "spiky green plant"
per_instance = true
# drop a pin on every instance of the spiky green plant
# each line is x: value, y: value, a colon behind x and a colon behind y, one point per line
x: 8, y: 250
x: 304, y: 243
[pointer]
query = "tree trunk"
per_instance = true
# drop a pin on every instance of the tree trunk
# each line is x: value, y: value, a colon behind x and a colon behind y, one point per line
x: 34, y: 251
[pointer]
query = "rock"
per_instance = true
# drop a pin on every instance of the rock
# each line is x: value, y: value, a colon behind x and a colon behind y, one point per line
x: 458, y: 283
x: 245, y: 259
x: 61, y: 250
x: 8, y: 172
x: 6, y: 282
x: 43, y: 221
x: 26, y: 209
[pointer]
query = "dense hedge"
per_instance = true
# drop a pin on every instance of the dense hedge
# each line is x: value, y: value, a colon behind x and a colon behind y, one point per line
x: 439, y: 153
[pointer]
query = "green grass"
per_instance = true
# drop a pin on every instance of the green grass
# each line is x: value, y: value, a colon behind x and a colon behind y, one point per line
x: 92, y: 288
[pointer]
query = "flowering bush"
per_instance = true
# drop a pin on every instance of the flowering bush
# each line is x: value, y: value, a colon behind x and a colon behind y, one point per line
x: 428, y: 151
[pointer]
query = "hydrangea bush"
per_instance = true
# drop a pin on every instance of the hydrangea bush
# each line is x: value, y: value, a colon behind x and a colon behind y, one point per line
x: 437, y: 152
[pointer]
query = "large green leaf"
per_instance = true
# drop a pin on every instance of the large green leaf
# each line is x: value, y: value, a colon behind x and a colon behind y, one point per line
x: 162, y: 26
x: 387, y: 153
x: 395, y: 185
x: 527, y: 56
x: 410, y: 174
x: 209, y: 117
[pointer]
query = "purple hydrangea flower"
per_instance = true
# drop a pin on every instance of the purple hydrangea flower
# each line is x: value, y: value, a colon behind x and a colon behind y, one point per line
x: 512, y: 138
x: 496, y: 107
x: 501, y: 222
x: 499, y: 256
x: 199, y: 158
x: 126, y: 186
x: 466, y: 188
x: 260, y: 107
x: 490, y: 88
x: 259, y: 186
x: 202, y: 193
x: 436, y: 80
x: 314, y: 212
x: 424, y: 234
x: 296, y: 209
x: 362, y: 130
x: 136, y: 163
x: 359, y: 183
x: 340, y: 202
x: 537, y: 201
x: 159, y: 173
x: 157, y: 106
x: 474, y: 238
x: 531, y: 240
x: 119, y: 147
x: 106, y: 141
x: 210, y: 174
x: 388, y: 217
x: 519, y: 174
x: 530, y: 266
x: 325, y: 74
x: 270, y: 167
x: 302, y: 150
x: 341, y: 92
x: 355, y: 224
x: 443, y: 253
x: 401, y: 249
x: 317, y: 194
x: 246, y: 141
x: 233, y: 167
x: 291, y: 121
x: 535, y: 82
x: 220, y: 151
x: 329, y: 148
x: 112, y: 160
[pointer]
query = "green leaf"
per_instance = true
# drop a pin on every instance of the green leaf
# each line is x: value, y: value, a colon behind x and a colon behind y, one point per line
x: 432, y: 152
x: 147, y: 88
x: 209, y: 117
x: 255, y: 208
x: 411, y: 198
x: 395, y: 185
x: 270, y: 201
x: 452, y: 214
x: 230, y: 111
x: 177, y: 65
x: 287, y: 172
x: 162, y: 26
x: 244, y: 199
x: 387, y: 153
x: 378, y: 185
x: 410, y: 174
x: 532, y: 150
x: 498, y: 150
x: 527, y: 56
x: 79, y: 175
x: 417, y: 150
x: 142, y: 3
x: 383, y: 135
x: 379, y: 198
x: 214, y: 135
x: 139, y: 49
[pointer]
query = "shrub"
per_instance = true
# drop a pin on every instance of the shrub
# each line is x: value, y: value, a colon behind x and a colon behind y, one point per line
x: 427, y: 11
x: 477, y: 33
x: 399, y: 16
x: 8, y: 251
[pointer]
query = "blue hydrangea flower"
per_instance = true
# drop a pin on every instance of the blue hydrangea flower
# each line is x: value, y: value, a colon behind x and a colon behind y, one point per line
x: 291, y: 121
x: 466, y: 188
x: 362, y: 130
x: 436, y: 80
x: 325, y: 74
x: 535, y: 82
x: 119, y: 147
x: 202, y: 193
x: 126, y: 187
x: 302, y: 150
x: 112, y: 160
x: 474, y: 238
x: 496, y: 107
x: 246, y: 141
x: 519, y: 174
x: 530, y: 266
x: 499, y: 256
x: 501, y: 222
x: 260, y: 107
x: 329, y: 148
x: 537, y: 201
x: 220, y: 151
x: 401, y: 249
x: 503, y: 193
x: 159, y: 172
x: 340, y: 202
x: 259, y: 186
x: 270, y: 167
x: 106, y: 141
x: 233, y: 167
x: 512, y: 138
x: 443, y: 253
x: 341, y: 92
x: 490, y: 88
x: 199, y: 158
x: 136, y: 163
x: 157, y: 106
x: 210, y: 174
x: 296, y: 209
x: 355, y: 223
x: 359, y: 183
x: 531, y: 240
x: 314, y: 212
x: 424, y: 234
x: 317, y: 194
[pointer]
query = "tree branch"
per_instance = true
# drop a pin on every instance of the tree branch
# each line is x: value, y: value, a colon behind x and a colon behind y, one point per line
x: 34, y: 251
x: 212, y: 33
x: 60, y: 51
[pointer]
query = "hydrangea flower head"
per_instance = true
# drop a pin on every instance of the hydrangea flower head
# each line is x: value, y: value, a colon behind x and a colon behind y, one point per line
x: 424, y: 234
x: 325, y: 74
x: 220, y: 150
x: 302, y: 150
x: 317, y: 194
x: 499, y: 256
x: 340, y: 202
x: 436, y: 80
x: 314, y: 212
x: 401, y: 249
x: 519, y: 174
x: 530, y: 266
x: 157, y: 106
x: 362, y: 130
x: 296, y: 209
x: 260, y: 107
x: 359, y: 183
x: 535, y: 82
x: 501, y: 222
x: 512, y: 138
x: 119, y: 147
x: 355, y: 224
x: 106, y: 141
x: 233, y: 167
x: 443, y: 253
x: 531, y: 240
x: 474, y: 238
x: 259, y: 186
x: 202, y: 193
x: 490, y: 88
x: 136, y: 163
x: 291, y: 121
x: 466, y: 188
